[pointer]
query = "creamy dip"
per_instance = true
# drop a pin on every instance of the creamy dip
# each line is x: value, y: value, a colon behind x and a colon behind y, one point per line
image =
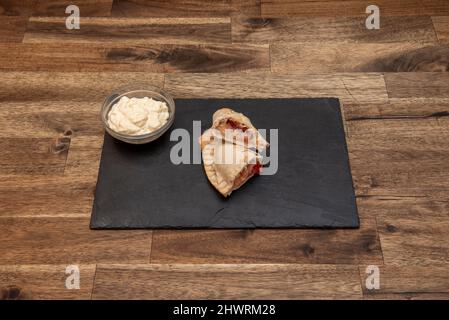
x: 136, y: 116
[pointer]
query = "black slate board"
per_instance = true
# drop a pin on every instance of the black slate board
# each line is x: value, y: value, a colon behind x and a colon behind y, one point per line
x: 139, y: 187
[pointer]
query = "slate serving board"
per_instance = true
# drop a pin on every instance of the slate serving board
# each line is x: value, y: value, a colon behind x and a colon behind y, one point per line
x: 139, y: 187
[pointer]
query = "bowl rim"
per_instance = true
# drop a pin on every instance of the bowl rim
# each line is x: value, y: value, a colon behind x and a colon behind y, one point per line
x: 126, y: 90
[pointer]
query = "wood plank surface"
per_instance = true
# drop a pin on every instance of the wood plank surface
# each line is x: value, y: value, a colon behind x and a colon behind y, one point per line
x: 282, y: 8
x: 69, y: 87
x: 25, y: 282
x: 136, y: 30
x: 137, y: 58
x: 84, y: 156
x: 441, y: 25
x: 408, y: 282
x: 50, y: 119
x: 86, y: 7
x: 380, y: 152
x: 253, y: 29
x: 417, y: 85
x: 46, y: 196
x: 403, y: 207
x: 415, y: 241
x: 33, y: 155
x: 12, y: 28
x: 353, y: 87
x: 398, y: 108
x: 171, y: 8
x: 392, y: 83
x: 248, y: 8
x: 268, y: 246
x: 226, y: 282
x: 58, y: 241
x: 16, y: 8
x: 340, y: 57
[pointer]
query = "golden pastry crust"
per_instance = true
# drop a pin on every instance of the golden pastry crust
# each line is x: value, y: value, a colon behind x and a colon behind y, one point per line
x: 228, y: 159
x: 209, y: 136
x: 214, y: 177
x: 224, y: 114
x: 224, y: 166
x: 247, y: 134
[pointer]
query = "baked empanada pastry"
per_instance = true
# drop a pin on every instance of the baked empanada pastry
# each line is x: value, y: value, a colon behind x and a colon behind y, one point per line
x: 229, y: 150
x: 237, y: 128
x: 228, y: 166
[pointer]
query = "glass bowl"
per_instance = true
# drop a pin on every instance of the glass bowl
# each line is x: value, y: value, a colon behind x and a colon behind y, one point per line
x: 138, y: 91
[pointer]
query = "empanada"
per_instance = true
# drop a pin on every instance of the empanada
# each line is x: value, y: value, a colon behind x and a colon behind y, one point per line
x: 228, y: 166
x: 237, y: 128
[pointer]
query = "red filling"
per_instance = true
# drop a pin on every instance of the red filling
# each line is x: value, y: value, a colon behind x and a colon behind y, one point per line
x: 234, y: 125
x: 257, y: 168
x: 247, y: 172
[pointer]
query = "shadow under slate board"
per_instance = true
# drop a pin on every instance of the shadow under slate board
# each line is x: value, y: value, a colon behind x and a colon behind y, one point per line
x: 139, y: 187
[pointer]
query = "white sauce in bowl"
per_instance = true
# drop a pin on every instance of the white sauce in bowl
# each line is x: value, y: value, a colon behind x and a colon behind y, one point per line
x: 137, y: 116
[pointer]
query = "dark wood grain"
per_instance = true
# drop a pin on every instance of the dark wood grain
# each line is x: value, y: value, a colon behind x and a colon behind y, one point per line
x: 408, y: 296
x: 16, y: 7
x: 255, y: 29
x: 84, y: 156
x: 395, y: 102
x: 54, y: 119
x: 33, y: 155
x: 213, y: 58
x: 268, y: 246
x: 245, y: 8
x: 380, y: 152
x: 226, y: 282
x: 12, y: 28
x: 138, y: 58
x: 368, y: 87
x: 341, y: 57
x: 58, y: 7
x: 398, y: 108
x: 181, y: 8
x: 137, y: 30
x: 441, y: 25
x: 46, y: 196
x: 171, y: 8
x: 67, y: 87
x: 415, y: 241
x: 25, y: 282
x: 281, y: 8
x: 409, y: 282
x: 417, y: 85
x: 57, y: 241
x: 402, y: 207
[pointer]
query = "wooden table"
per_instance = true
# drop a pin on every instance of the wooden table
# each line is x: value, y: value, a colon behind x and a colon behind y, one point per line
x: 396, y: 107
